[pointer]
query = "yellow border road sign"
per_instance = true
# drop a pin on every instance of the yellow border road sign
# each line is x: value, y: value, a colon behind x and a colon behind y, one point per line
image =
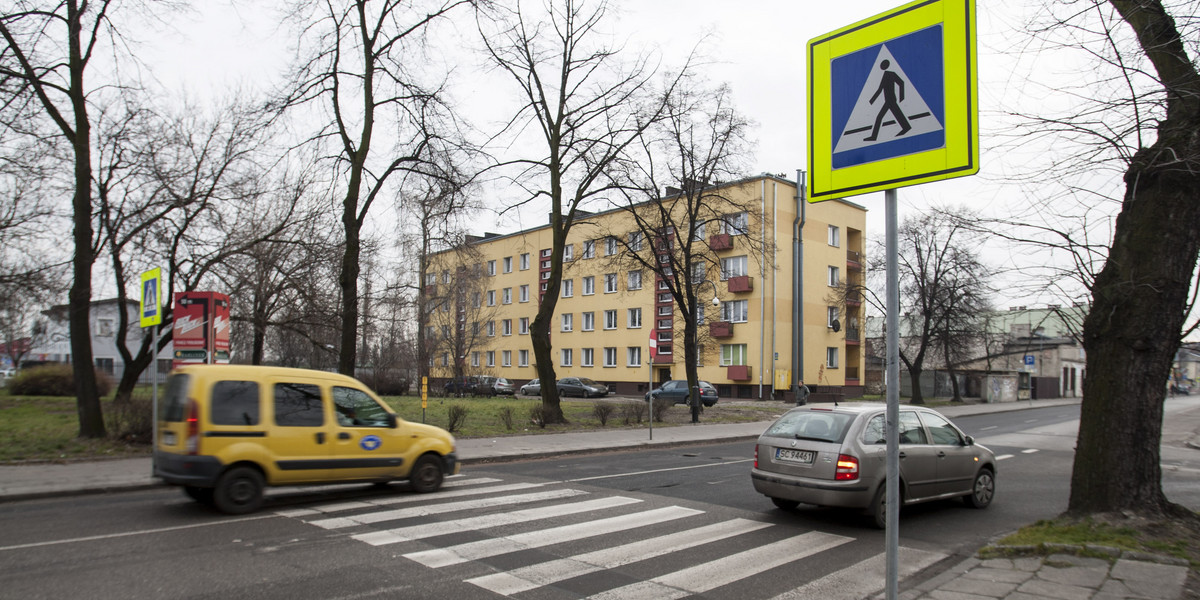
x: 151, y: 304
x: 893, y: 100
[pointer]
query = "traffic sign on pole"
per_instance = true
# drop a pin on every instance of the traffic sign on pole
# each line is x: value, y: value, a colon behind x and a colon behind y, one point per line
x: 151, y: 304
x: 893, y: 100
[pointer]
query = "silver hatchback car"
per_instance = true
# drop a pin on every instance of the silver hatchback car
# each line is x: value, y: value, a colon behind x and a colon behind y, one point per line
x: 831, y: 455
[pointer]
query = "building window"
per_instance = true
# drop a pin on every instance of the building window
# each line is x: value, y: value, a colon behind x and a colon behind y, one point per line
x: 736, y: 224
x: 568, y: 321
x: 545, y: 264
x: 699, y: 270
x: 525, y: 261
x: 507, y: 295
x: 475, y: 328
x: 491, y: 296
x: 491, y: 358
x: 610, y: 246
x: 610, y: 319
x: 568, y: 288
x: 834, y: 277
x: 105, y: 364
x: 525, y: 293
x: 699, y: 313
x: 635, y: 241
x: 491, y: 268
x: 104, y: 327
x: 831, y: 316
x: 734, y: 266
x: 831, y: 358
x: 735, y: 311
x: 589, y: 321
x: 664, y: 323
x: 589, y: 249
x: 506, y: 358
x: 446, y: 276
x: 475, y: 299
x: 634, y: 318
x: 546, y: 275
x: 589, y: 285
x: 610, y: 283
x: 567, y: 357
x: 522, y: 358
x: 475, y: 358
x: 610, y: 357
x: 430, y: 278
x: 588, y: 357
x: 491, y: 329
x: 569, y: 253
x: 508, y: 264
x: 662, y: 285
x: 666, y: 311
x: 546, y: 252
x: 635, y: 280
x: 633, y: 356
x: 733, y: 354
x: 506, y: 327
x: 445, y: 359
x: 523, y: 326
x: 698, y: 232
x: 665, y: 297
x: 835, y: 238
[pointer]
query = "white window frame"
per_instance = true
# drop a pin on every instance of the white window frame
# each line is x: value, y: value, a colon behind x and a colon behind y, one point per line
x: 633, y: 318
x: 522, y: 358
x: 491, y: 268
x: 430, y: 278
x: 698, y: 232
x: 733, y: 266
x: 610, y: 246
x: 610, y: 356
x: 733, y: 354
x: 633, y: 356
x: 476, y: 299
x: 491, y: 358
x: 736, y: 223
x: 506, y: 295
x: 634, y: 280
x: 835, y: 276
x: 589, y: 249
x: 831, y: 357
x: 568, y: 288
x: 506, y: 358
x: 666, y: 310
x: 568, y: 252
x: 831, y: 315
x: 610, y: 283
x: 475, y: 358
x: 568, y: 321
x: 523, y: 326
x: 735, y: 311
x: 525, y: 261
x: 835, y: 237
x: 635, y: 241
x: 589, y: 285
x: 508, y: 264
x: 587, y: 357
x: 524, y: 293
x: 589, y: 321
x: 610, y: 319
x: 491, y: 297
x: 566, y: 357
x: 506, y: 327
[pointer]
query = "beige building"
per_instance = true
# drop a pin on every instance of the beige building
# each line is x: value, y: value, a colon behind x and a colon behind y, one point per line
x: 616, y: 322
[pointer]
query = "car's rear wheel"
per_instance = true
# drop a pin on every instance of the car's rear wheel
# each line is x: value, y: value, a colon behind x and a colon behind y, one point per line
x: 239, y: 491
x: 426, y: 474
x: 878, y: 508
x: 782, y: 504
x: 982, y: 490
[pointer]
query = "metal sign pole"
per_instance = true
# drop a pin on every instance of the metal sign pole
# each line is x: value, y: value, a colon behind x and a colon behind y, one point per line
x: 892, y: 532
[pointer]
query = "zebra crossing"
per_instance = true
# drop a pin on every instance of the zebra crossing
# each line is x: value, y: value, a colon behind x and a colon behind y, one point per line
x: 512, y: 518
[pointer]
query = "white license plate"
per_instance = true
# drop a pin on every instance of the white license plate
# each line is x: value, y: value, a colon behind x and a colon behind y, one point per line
x: 804, y: 457
x: 169, y: 438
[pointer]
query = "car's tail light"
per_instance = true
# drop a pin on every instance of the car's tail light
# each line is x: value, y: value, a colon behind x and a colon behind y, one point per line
x: 193, y: 428
x: 756, y: 456
x: 847, y: 468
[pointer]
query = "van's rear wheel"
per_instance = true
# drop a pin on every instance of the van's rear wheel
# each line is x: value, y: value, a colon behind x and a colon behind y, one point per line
x: 426, y: 474
x: 239, y: 491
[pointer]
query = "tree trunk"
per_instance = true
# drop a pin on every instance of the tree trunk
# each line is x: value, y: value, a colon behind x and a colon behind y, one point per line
x: 540, y: 328
x: 914, y: 375
x: 1140, y: 296
x: 348, y: 280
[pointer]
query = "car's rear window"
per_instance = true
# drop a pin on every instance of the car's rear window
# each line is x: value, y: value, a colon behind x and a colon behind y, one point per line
x: 234, y: 403
x: 813, y: 425
x: 174, y: 401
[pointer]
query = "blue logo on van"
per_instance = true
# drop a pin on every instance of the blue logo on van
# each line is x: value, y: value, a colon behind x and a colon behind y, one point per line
x: 370, y: 442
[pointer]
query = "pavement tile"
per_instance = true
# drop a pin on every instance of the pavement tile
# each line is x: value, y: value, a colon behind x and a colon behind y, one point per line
x: 1151, y: 580
x: 940, y: 594
x: 991, y: 589
x: 1050, y: 589
x: 1027, y: 563
x: 1088, y: 577
x: 999, y: 574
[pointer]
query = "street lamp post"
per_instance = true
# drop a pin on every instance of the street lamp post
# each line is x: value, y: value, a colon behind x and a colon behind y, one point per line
x: 695, y: 395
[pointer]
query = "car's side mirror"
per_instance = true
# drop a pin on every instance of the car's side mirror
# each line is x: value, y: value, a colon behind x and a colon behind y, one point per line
x: 970, y: 440
x: 391, y: 421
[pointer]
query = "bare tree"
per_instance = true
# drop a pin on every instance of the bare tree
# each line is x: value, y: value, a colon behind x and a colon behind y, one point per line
x: 587, y: 108
x: 698, y: 145
x: 362, y: 74
x: 943, y: 285
x: 44, y: 61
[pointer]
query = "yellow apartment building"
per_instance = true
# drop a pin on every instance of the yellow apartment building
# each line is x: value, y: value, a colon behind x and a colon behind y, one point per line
x: 616, y: 325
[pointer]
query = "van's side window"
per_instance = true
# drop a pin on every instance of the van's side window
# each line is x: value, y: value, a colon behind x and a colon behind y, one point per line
x: 356, y: 409
x: 235, y: 403
x: 298, y: 405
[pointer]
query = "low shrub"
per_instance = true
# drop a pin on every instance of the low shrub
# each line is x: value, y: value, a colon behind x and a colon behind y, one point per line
x: 506, y: 417
x: 660, y: 410
x: 132, y: 421
x: 602, y: 410
x: 537, y: 415
x: 457, y: 417
x: 53, y: 380
x: 633, y: 412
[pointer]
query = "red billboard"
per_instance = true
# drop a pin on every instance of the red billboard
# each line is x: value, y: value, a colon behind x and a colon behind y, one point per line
x: 200, y: 328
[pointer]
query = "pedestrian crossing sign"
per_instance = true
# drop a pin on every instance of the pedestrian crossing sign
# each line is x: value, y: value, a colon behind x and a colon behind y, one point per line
x: 892, y: 100
x: 151, y: 305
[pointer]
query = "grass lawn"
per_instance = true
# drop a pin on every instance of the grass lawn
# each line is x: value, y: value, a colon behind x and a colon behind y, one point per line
x: 46, y: 428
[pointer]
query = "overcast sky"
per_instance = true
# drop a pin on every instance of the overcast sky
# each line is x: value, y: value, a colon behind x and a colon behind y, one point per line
x: 757, y: 46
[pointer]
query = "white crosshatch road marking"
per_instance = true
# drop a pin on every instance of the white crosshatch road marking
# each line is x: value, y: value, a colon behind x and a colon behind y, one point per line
x: 443, y: 508
x: 535, y: 576
x: 441, y: 557
x: 427, y: 530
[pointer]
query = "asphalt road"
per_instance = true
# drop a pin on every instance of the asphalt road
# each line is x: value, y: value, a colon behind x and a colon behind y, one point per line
x: 652, y: 524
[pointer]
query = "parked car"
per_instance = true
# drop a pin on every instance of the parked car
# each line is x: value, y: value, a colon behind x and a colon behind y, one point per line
x: 677, y: 391
x: 497, y: 386
x: 462, y: 386
x: 227, y: 431
x: 581, y: 386
x: 837, y: 456
x: 533, y: 388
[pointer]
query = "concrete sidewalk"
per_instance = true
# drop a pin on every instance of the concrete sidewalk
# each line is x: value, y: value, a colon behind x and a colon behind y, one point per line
x: 1030, y: 578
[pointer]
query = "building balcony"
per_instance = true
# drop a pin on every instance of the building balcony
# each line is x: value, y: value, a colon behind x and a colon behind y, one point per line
x: 738, y: 372
x: 854, y: 260
x: 851, y: 374
x: 721, y: 241
x: 431, y: 290
x: 743, y: 283
x: 720, y: 329
x: 852, y: 336
x: 664, y: 359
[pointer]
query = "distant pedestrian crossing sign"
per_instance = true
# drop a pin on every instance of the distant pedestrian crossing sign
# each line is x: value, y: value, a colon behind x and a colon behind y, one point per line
x: 151, y: 304
x: 892, y: 100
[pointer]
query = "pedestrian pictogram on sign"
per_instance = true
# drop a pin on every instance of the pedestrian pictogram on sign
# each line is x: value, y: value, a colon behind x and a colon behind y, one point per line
x: 889, y: 116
